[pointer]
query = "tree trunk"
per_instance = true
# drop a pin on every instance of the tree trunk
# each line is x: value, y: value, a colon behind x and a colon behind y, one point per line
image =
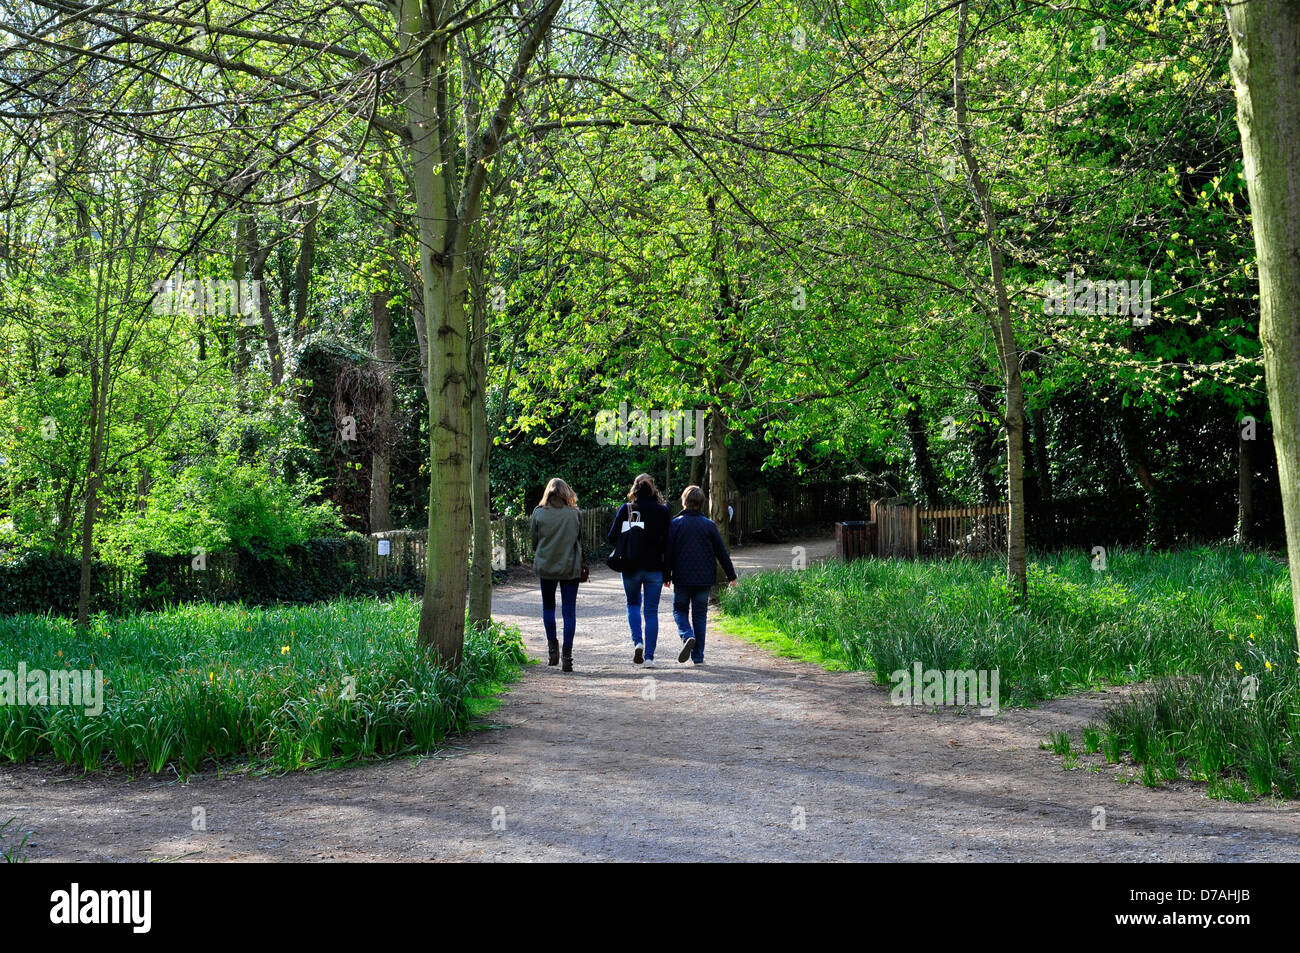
x: 284, y: 265
x: 1266, y: 74
x: 984, y: 443
x: 415, y: 293
x: 381, y: 325
x: 442, y: 614
x: 928, y: 484
x: 93, y: 463
x: 718, y: 470
x: 1133, y: 448
x: 1045, y: 518
x: 243, y: 358
x: 416, y: 298
x: 480, y: 577
x: 1003, y: 332
x: 257, y: 261
x: 446, y: 225
x: 306, y: 258
x: 1042, y: 465
x: 1245, y: 490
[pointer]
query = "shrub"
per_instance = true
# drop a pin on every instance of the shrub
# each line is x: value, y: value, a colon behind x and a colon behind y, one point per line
x: 223, y: 506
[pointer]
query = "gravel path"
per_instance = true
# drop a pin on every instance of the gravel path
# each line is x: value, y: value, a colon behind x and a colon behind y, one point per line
x: 721, y: 762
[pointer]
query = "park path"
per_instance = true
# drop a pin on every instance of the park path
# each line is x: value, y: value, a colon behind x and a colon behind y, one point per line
x: 721, y: 763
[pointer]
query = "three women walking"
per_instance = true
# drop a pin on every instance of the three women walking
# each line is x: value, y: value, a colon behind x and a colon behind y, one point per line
x: 650, y: 550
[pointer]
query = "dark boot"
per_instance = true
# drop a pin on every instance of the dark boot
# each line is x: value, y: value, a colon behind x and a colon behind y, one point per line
x: 553, y: 652
x: 568, y: 661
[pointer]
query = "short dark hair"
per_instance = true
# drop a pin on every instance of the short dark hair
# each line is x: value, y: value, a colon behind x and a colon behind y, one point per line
x: 693, y: 498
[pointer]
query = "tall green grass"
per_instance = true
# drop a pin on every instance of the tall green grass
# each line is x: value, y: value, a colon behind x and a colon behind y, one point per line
x: 285, y: 688
x: 1197, y: 622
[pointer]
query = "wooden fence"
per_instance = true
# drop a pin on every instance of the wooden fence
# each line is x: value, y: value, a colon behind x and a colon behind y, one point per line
x: 897, y: 529
x: 965, y: 531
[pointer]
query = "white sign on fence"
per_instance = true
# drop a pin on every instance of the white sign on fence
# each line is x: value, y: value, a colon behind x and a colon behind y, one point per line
x: 385, y: 547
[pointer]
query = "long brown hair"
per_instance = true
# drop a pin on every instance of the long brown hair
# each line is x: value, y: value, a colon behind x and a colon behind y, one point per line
x: 645, y: 480
x: 559, y: 494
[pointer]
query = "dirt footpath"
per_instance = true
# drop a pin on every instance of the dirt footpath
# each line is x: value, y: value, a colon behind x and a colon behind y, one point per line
x: 750, y: 757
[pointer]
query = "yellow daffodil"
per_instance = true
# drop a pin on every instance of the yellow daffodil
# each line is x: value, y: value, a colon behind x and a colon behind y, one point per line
x: 1232, y: 638
x: 1268, y: 665
x: 284, y: 650
x: 1238, y: 664
x: 1251, y: 636
x: 1258, y: 616
x: 212, y: 677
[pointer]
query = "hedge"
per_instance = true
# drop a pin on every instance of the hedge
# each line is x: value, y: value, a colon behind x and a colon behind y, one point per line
x: 322, y: 569
x: 39, y: 582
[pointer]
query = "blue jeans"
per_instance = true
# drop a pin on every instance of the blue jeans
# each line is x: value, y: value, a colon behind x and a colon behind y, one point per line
x: 569, y: 600
x: 653, y: 582
x: 696, y: 599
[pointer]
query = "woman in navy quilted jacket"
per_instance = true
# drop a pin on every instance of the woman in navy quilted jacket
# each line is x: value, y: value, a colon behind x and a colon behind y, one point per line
x: 641, y: 525
x: 694, y: 548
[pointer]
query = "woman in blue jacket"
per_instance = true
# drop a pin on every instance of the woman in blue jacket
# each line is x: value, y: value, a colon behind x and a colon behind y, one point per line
x: 639, y: 534
x: 694, y: 544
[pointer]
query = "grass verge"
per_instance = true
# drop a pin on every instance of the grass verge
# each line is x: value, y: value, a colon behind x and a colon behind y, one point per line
x: 1210, y: 627
x: 763, y: 631
x: 282, y: 688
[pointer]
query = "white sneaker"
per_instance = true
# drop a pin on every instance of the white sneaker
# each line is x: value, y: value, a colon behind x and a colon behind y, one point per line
x: 649, y: 663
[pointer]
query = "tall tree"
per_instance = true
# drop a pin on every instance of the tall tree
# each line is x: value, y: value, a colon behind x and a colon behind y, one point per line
x: 448, y: 197
x: 1266, y: 75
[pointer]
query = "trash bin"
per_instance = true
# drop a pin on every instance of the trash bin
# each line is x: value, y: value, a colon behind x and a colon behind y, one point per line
x: 851, y: 540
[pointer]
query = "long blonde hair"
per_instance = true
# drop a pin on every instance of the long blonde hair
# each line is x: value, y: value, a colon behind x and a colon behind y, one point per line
x: 559, y: 494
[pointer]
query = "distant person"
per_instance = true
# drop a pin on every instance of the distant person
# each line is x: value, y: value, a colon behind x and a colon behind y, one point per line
x: 639, y: 535
x: 557, y: 559
x: 694, y: 548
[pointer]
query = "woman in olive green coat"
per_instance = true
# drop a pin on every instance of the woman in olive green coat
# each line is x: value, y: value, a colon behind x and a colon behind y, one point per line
x: 557, y: 560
